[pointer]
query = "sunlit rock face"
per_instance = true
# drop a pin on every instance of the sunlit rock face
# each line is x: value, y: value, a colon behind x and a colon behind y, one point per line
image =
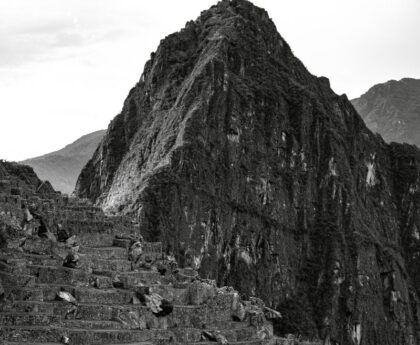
x: 242, y: 162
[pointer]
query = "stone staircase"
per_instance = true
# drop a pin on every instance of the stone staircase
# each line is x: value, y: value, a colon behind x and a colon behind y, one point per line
x: 105, y: 313
x: 33, y: 315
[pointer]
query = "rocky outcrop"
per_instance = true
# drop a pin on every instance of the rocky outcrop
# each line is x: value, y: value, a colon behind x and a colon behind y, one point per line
x: 62, y: 167
x: 230, y: 152
x: 392, y: 109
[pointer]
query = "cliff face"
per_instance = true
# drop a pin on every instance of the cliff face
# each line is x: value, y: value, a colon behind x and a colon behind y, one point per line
x: 392, y: 109
x: 243, y: 163
x: 62, y: 167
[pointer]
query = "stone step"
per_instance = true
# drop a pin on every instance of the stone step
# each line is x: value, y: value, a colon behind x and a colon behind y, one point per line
x: 28, y: 319
x: 38, y: 245
x: 250, y: 342
x: 26, y: 293
x: 59, y: 275
x: 92, y: 324
x: 101, y: 281
x: 42, y: 260
x: 10, y: 267
x: 181, y: 316
x: 106, y: 296
x: 25, y: 343
x: 121, y: 296
x: 123, y: 243
x: 45, y: 334
x: 247, y: 342
x: 49, y: 308
x: 104, y: 253
x: 19, y: 258
x: 109, y: 336
x: 94, y: 238
x: 32, y: 343
x: 139, y: 278
x: 86, y: 311
x: 192, y: 335
x: 40, y: 292
x: 132, y: 279
x: 16, y: 280
x: 49, y: 291
x: 119, y: 265
x: 14, y: 259
x: 179, y: 296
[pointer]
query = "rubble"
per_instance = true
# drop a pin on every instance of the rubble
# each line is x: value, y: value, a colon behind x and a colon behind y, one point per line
x: 65, y: 340
x: 72, y: 259
x: 66, y: 296
x: 215, y: 336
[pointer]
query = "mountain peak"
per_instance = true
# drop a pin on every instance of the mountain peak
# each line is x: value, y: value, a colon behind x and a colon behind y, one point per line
x: 256, y: 173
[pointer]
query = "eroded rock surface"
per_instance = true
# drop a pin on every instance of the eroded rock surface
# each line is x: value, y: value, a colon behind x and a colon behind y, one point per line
x: 239, y: 160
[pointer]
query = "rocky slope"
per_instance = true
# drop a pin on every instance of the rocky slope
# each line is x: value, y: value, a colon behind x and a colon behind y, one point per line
x: 62, y: 167
x: 392, y: 109
x: 230, y: 152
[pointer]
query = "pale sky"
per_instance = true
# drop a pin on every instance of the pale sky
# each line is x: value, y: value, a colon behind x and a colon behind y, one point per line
x: 66, y: 66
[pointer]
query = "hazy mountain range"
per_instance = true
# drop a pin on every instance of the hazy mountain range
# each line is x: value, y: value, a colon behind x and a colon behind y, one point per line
x: 392, y: 109
x: 62, y: 167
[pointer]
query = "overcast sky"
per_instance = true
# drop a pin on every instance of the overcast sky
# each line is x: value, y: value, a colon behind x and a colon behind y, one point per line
x: 67, y: 65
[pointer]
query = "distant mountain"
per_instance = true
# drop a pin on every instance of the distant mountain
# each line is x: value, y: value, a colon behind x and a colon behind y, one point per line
x: 392, y: 109
x: 62, y: 167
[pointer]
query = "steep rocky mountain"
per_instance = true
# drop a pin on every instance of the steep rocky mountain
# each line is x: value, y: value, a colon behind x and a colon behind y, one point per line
x: 62, y: 167
x: 392, y: 109
x: 243, y: 163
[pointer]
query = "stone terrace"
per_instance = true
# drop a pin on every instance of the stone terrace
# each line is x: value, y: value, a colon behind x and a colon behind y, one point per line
x: 32, y: 273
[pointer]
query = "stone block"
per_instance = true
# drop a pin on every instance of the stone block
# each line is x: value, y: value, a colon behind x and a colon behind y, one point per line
x: 200, y: 292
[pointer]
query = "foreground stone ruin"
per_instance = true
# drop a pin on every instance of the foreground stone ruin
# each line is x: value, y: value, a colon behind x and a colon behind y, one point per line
x: 99, y: 300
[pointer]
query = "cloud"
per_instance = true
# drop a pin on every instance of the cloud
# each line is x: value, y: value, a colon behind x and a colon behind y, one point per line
x: 66, y: 66
x: 49, y: 35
